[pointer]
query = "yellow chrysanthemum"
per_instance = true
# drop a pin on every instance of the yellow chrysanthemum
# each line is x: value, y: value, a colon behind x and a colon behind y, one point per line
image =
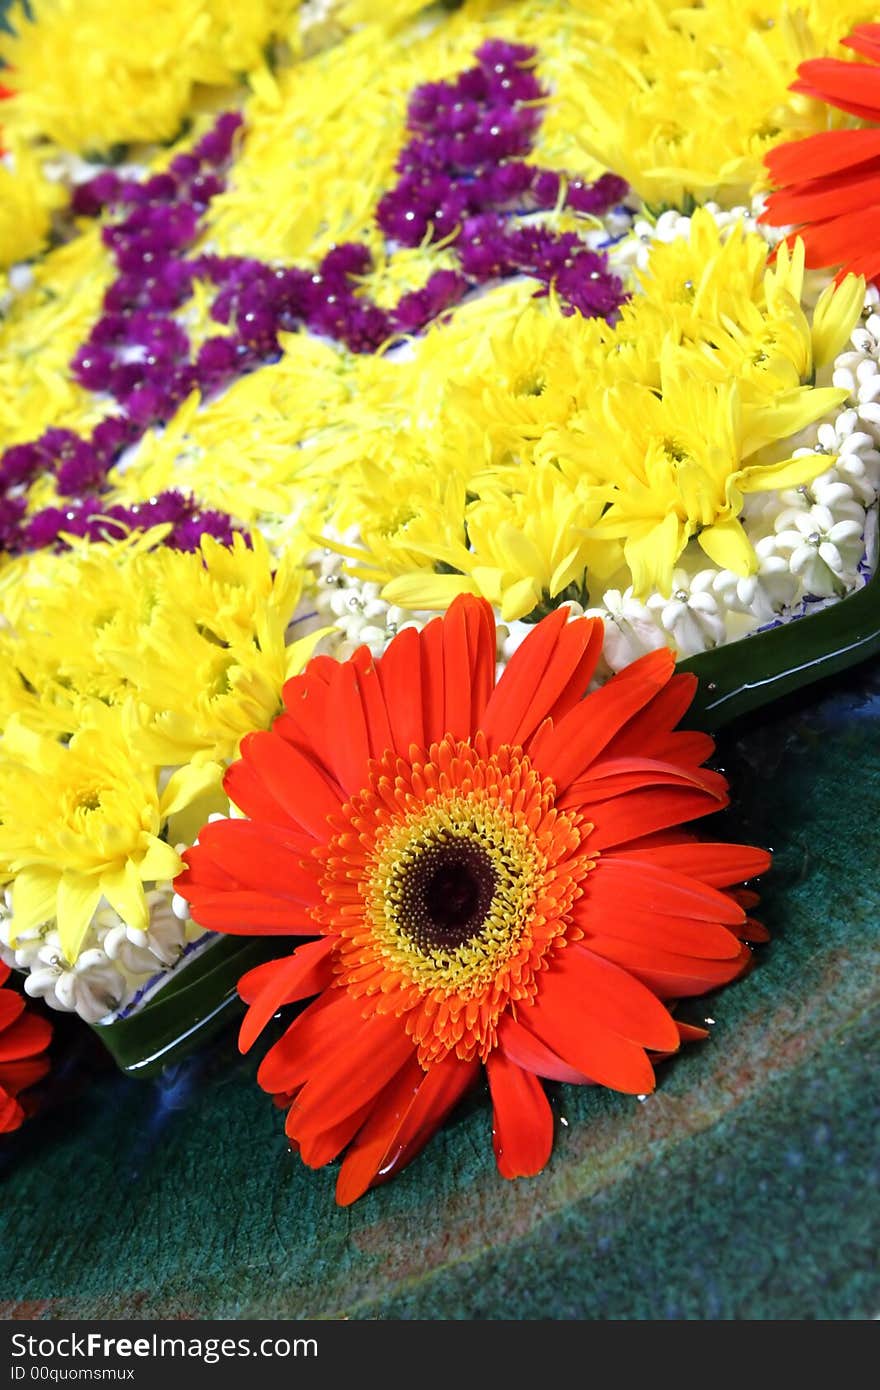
x: 81, y: 821
x: 675, y: 465
x: 684, y: 100
x: 39, y: 334
x: 89, y: 75
x: 26, y: 204
x: 196, y: 645
x: 526, y: 551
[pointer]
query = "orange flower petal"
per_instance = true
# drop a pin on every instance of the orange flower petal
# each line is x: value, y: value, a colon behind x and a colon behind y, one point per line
x: 584, y: 983
x: 523, y: 1048
x: 667, y: 974
x: 11, y: 1007
x: 642, y: 812
x: 817, y: 156
x: 400, y: 676
x: 713, y: 863
x: 522, y: 1121
x: 303, y: 790
x: 27, y: 1036
x: 440, y: 1090
x: 307, y: 971
x: 567, y: 750
x: 356, y: 1069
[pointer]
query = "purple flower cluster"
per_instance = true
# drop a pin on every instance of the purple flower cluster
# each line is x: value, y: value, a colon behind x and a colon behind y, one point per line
x: 96, y: 522
x: 462, y: 174
x: 136, y: 352
x: 461, y: 178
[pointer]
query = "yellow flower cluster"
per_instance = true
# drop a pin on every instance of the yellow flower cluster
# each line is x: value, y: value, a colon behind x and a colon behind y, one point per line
x: 89, y: 74
x: 39, y: 333
x: 121, y: 664
x: 552, y: 448
x: 27, y: 201
x: 684, y: 98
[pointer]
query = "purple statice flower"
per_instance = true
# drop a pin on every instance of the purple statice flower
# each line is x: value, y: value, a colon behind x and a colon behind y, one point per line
x: 42, y: 528
x: 20, y: 465
x: 597, y: 197
x: 79, y: 468
x: 366, y: 326
x: 112, y: 436
x: 188, y: 532
x: 92, y: 197
x: 217, y: 364
x: 420, y: 307
x: 217, y: 145
x: 12, y: 510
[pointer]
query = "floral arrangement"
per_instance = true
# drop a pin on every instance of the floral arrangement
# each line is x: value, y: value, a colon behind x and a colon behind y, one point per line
x: 390, y: 396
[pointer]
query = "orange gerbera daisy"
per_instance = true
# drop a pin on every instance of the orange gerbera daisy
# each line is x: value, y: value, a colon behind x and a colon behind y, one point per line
x: 23, y: 1037
x: 829, y: 184
x: 495, y: 876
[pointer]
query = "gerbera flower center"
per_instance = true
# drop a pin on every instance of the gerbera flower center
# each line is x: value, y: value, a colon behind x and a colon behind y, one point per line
x: 448, y: 884
x: 443, y: 895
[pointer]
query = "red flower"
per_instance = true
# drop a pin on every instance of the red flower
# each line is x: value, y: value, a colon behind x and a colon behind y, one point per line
x: 829, y: 184
x: 22, y: 1038
x: 496, y: 877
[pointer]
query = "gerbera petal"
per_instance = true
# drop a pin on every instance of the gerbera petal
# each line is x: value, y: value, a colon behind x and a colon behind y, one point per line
x: 468, y: 652
x: 642, y: 812
x: 400, y: 676
x: 307, y: 971
x: 433, y: 692
x: 375, y: 1137
x: 817, y: 156
x: 648, y: 731
x: 865, y: 38
x: 380, y: 734
x: 581, y: 735
x: 835, y: 240
x: 564, y: 680
x: 689, y: 1032
x: 533, y: 679
x: 440, y: 1091
x: 317, y: 1149
x: 850, y: 87
x: 608, y: 1058
x: 358, y: 1068
x: 658, y: 889
x: 304, y: 791
x: 11, y: 1113
x: 713, y: 863
x: 614, y: 777
x: 304, y: 720
x: 584, y: 983
x: 27, y: 1036
x: 242, y: 913
x: 302, y: 1048
x: 522, y: 1121
x: 11, y: 1007
x: 261, y: 857
x: 347, y: 719
x: 668, y: 975
x: 527, y: 1051
x: 245, y: 789
x: 18, y: 1076
x: 829, y: 197
x: 562, y: 1017
x: 601, y: 915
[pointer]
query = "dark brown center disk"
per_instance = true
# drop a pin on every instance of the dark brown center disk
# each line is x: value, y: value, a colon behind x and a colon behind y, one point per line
x: 446, y: 893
